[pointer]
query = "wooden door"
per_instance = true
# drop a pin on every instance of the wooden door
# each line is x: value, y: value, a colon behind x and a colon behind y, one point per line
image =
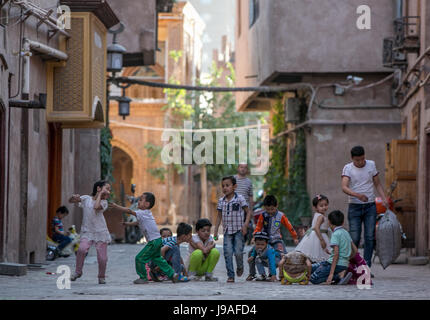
x: 401, y: 166
x: 55, y: 146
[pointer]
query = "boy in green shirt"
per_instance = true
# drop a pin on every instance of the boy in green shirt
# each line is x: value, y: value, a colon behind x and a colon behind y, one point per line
x: 343, y: 248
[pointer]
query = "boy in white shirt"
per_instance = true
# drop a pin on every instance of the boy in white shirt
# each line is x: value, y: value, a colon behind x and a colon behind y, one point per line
x: 359, y: 181
x: 152, y: 250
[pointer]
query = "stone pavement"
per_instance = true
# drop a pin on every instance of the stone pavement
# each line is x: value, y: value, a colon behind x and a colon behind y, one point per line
x: 396, y: 282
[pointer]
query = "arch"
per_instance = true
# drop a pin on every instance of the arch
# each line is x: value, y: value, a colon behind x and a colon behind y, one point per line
x: 123, y: 171
x: 137, y: 160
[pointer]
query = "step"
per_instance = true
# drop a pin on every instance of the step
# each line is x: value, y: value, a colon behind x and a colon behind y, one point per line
x: 13, y: 269
x: 418, y: 261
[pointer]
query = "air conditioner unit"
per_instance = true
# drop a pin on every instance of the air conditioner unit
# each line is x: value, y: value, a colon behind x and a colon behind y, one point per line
x: 292, y: 110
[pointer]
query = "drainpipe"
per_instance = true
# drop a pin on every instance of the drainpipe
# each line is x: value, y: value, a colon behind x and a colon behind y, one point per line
x: 399, y: 9
x: 26, y: 53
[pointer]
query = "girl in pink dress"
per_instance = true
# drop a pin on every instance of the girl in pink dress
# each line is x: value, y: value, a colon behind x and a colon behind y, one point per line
x: 94, y: 230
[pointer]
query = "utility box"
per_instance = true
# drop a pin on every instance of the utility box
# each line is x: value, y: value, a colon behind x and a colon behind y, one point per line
x: 292, y: 110
x: 77, y: 89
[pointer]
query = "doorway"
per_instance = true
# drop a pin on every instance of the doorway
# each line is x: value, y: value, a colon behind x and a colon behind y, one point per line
x: 55, y: 146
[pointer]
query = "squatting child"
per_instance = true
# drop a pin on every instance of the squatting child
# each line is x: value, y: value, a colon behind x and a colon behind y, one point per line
x: 203, y: 254
x: 58, y: 233
x: 263, y: 255
x: 270, y: 222
x: 171, y: 252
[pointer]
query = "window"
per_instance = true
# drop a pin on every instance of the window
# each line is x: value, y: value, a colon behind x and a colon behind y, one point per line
x: 253, y: 12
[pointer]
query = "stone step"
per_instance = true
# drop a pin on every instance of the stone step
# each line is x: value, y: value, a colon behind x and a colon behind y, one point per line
x: 418, y: 261
x: 13, y: 269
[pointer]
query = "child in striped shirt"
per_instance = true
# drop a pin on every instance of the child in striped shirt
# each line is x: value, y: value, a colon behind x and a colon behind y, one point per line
x: 171, y: 252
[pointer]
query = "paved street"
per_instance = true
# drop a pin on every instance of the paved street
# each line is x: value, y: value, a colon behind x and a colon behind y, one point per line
x: 397, y: 282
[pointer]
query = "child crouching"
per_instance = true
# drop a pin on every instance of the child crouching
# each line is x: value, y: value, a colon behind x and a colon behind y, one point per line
x: 171, y: 252
x: 295, y: 267
x: 203, y: 254
x: 264, y: 256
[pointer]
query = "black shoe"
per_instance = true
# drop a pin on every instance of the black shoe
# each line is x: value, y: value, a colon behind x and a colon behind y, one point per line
x: 153, y: 276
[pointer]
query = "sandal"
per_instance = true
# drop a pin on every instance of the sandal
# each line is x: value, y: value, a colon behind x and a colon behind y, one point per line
x: 230, y: 280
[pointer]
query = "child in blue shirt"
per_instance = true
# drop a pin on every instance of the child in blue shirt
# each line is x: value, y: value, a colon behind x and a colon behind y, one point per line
x: 264, y: 256
x: 171, y: 252
x: 332, y: 270
x: 58, y: 233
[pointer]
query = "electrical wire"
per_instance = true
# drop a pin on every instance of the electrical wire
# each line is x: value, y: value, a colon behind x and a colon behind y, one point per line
x: 122, y: 124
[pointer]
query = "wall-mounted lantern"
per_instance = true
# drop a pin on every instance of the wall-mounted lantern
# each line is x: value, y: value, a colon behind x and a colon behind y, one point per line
x: 115, y: 52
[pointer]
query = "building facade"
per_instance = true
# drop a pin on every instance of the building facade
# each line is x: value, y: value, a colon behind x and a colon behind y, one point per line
x: 49, y: 122
x: 408, y: 158
x: 313, y: 46
x: 178, y: 59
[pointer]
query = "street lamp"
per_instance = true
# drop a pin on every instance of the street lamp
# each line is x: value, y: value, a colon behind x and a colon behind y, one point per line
x: 123, y: 102
x: 115, y: 52
x: 124, y: 106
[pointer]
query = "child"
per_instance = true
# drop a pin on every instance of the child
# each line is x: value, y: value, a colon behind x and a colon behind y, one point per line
x: 343, y: 248
x: 171, y: 252
x: 231, y: 210
x: 94, y: 229
x: 315, y: 243
x: 203, y: 254
x: 263, y: 255
x: 152, y: 250
x: 165, y: 233
x: 58, y: 233
x: 295, y: 267
x: 352, y: 273
x: 270, y: 222
x: 154, y: 271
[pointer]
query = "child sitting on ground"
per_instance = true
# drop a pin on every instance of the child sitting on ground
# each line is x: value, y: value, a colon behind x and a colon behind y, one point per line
x: 203, y: 254
x: 270, y: 222
x: 263, y: 255
x: 171, y: 252
x: 295, y: 267
x: 331, y: 271
x: 58, y: 233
